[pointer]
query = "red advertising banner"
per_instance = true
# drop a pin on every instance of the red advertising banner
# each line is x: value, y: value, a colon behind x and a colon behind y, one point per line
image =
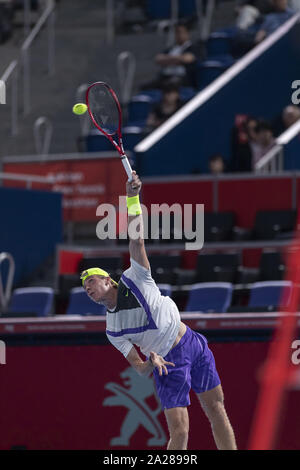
x: 88, y: 397
x: 84, y: 183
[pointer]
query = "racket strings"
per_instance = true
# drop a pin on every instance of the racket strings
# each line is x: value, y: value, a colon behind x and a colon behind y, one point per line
x: 104, y: 108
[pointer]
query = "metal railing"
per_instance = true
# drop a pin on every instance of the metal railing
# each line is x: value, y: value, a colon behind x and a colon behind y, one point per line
x: 47, y: 17
x: 5, y: 293
x: 42, y: 145
x: 126, y: 67
x: 28, y: 179
x: 84, y: 120
x: 11, y: 74
x: 273, y: 161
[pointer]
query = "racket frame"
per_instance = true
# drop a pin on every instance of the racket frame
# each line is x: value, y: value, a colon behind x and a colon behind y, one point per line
x: 118, y: 146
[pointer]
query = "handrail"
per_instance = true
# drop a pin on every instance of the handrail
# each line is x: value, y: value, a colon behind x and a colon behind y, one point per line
x: 28, y: 179
x: 6, y: 293
x: 12, y: 71
x: 273, y: 160
x: 42, y: 145
x: 84, y: 120
x: 126, y: 74
x: 47, y: 16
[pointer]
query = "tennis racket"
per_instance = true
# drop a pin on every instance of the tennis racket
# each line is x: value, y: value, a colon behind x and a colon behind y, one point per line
x: 105, y: 111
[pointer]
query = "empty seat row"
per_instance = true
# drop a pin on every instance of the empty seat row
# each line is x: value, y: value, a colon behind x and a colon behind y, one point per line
x: 202, y: 297
x: 215, y: 297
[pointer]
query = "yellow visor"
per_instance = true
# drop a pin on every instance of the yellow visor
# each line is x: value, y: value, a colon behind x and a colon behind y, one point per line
x: 92, y: 271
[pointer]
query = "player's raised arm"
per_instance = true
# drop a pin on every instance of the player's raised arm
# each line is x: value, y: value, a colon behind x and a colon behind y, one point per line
x: 135, y: 222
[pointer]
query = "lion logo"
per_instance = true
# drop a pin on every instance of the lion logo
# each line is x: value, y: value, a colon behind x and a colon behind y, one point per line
x: 132, y: 395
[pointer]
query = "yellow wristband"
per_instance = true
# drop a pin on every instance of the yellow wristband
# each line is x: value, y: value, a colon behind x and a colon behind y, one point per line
x: 133, y: 205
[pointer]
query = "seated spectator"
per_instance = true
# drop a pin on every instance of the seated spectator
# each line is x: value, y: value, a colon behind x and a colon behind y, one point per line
x: 169, y: 104
x: 250, y: 37
x: 216, y: 164
x: 245, y: 144
x: 274, y: 20
x: 289, y: 116
x: 249, y: 12
x: 265, y: 141
x: 178, y: 63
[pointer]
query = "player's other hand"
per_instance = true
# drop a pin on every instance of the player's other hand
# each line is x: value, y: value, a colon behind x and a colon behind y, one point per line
x: 159, y: 363
x: 133, y: 188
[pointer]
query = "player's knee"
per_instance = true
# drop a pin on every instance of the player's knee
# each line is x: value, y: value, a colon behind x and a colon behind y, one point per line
x: 215, y: 408
x: 179, y: 431
x: 180, y: 434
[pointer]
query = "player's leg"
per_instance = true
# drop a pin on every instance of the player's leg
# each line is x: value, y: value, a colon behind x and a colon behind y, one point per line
x: 178, y: 424
x: 212, y: 402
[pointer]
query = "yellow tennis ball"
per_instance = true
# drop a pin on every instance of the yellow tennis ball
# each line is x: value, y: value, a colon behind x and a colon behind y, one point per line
x: 79, y: 108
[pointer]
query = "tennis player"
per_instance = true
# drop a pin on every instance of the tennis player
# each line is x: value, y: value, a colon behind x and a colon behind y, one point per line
x: 137, y: 314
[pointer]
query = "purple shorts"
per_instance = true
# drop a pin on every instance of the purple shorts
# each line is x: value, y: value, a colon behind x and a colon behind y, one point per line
x: 194, y: 369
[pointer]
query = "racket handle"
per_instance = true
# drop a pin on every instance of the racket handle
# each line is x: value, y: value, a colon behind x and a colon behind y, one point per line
x: 127, y: 167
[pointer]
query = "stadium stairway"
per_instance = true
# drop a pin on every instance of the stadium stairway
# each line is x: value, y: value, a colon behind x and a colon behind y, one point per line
x: 82, y: 56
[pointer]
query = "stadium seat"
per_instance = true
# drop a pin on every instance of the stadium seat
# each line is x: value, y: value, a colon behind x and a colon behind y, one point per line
x: 165, y: 289
x: 139, y: 109
x: 274, y: 224
x: 111, y: 264
x: 271, y: 267
x: 218, y: 226
x: 156, y: 9
x: 209, y: 297
x: 36, y: 301
x: 97, y: 142
x: 210, y: 70
x: 163, y: 266
x: 221, y: 267
x: 269, y: 294
x: 132, y: 135
x: 81, y: 304
x: 218, y: 44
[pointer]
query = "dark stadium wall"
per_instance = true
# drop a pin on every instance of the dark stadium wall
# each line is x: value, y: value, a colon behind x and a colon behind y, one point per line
x: 87, y: 397
x: 31, y: 226
x: 262, y: 89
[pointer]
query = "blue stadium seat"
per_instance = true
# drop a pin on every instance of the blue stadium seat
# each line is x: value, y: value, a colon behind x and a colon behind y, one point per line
x: 269, y: 293
x: 132, y: 135
x: 210, y: 70
x: 158, y: 9
x: 81, y: 304
x: 187, y: 93
x: 154, y: 94
x: 97, y: 142
x: 218, y: 44
x: 187, y: 8
x: 139, y: 109
x: 32, y: 300
x: 165, y: 289
x: 209, y: 297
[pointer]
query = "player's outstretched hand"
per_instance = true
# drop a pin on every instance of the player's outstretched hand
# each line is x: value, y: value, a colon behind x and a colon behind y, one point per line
x: 159, y: 363
x: 134, y: 186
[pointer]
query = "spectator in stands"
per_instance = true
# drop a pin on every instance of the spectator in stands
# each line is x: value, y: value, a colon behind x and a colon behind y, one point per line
x: 250, y: 11
x: 178, y: 63
x: 169, y: 104
x: 288, y: 117
x: 265, y: 141
x: 250, y: 37
x: 245, y: 145
x: 216, y: 164
x: 274, y: 20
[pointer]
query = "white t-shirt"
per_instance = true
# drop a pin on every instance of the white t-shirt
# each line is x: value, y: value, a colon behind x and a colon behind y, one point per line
x: 142, y: 316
